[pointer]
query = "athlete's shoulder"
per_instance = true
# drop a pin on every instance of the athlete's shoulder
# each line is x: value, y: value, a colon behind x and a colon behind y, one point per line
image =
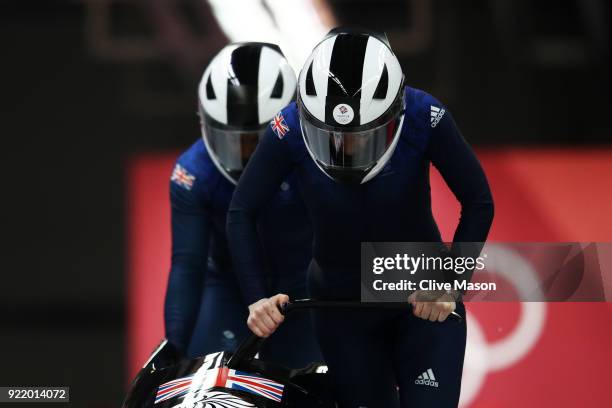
x: 285, y: 130
x: 423, y: 108
x: 285, y: 125
x: 194, y: 169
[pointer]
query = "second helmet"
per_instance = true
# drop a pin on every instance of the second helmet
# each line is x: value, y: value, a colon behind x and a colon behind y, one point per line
x: 241, y: 90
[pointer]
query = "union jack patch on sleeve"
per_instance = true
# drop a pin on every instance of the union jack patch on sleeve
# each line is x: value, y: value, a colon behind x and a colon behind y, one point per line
x: 279, y: 126
x: 182, y: 177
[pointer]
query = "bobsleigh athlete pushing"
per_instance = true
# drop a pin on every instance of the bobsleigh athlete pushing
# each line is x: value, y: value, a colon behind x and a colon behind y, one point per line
x: 225, y: 379
x: 360, y: 144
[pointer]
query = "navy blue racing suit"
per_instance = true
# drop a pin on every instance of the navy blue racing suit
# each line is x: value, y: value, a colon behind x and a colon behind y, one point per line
x: 371, y: 354
x: 204, y: 309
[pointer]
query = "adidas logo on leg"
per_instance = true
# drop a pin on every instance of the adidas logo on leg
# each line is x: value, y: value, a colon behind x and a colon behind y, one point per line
x: 436, y: 115
x: 427, y: 378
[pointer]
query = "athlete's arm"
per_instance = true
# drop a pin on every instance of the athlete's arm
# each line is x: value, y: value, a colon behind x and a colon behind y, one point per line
x: 190, y: 237
x: 462, y: 172
x: 258, y: 183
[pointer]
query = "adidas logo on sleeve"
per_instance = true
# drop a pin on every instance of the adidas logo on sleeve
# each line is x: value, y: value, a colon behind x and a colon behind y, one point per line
x: 427, y: 378
x: 436, y: 115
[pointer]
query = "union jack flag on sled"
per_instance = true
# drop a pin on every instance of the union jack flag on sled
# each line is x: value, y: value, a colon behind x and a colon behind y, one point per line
x: 174, y: 388
x: 226, y: 380
x: 254, y: 384
x: 211, y: 377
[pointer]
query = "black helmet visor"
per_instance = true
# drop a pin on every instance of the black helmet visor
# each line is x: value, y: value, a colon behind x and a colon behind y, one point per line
x: 349, y: 150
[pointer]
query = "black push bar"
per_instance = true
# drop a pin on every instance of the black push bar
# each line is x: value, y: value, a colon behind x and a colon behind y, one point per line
x: 250, y: 347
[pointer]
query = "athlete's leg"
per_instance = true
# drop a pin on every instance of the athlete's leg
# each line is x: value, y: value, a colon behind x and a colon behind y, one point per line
x: 294, y: 343
x: 428, y: 358
x: 356, y: 347
x: 221, y: 324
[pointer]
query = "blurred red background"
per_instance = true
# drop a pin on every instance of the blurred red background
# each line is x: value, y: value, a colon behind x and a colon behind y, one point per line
x: 518, y: 354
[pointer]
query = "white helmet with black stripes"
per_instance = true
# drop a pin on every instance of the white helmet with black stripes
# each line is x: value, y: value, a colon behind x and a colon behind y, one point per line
x: 241, y: 90
x: 350, y: 99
